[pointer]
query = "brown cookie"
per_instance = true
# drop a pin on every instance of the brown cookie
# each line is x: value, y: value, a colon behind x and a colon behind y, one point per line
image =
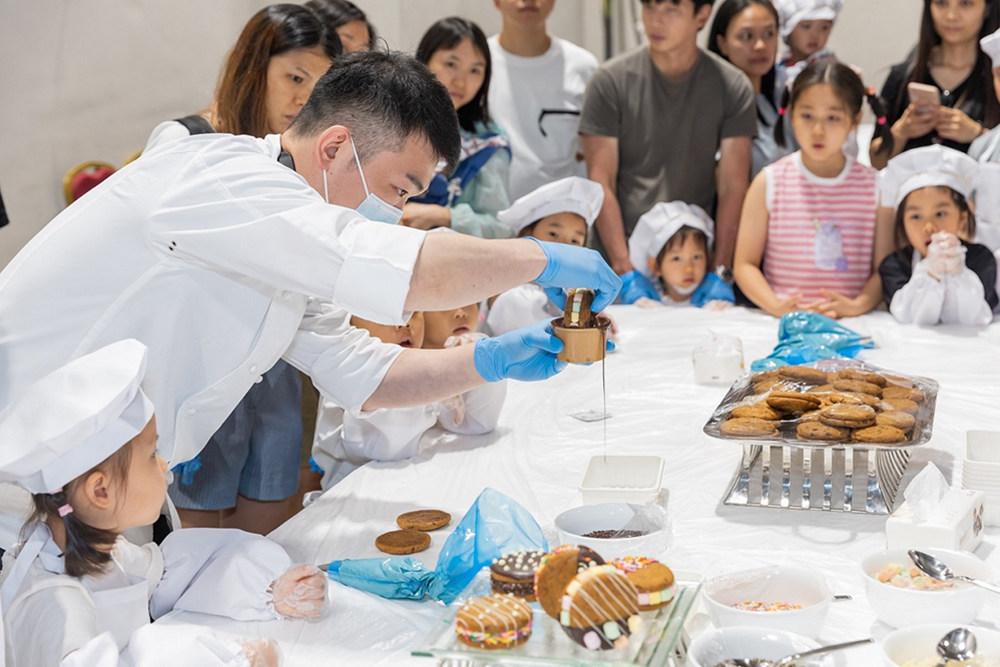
x: 901, y: 404
x: 815, y: 430
x: 914, y: 395
x: 557, y: 569
x: 803, y: 374
x: 743, y: 427
x: 822, y: 389
x: 402, y: 542
x: 764, y: 386
x: 423, y: 520
x: 862, y: 376
x: 759, y: 410
x: 792, y: 401
x: 848, y: 416
x: 856, y: 399
x: 811, y: 416
x: 884, y: 435
x: 858, y: 386
x: 904, y: 421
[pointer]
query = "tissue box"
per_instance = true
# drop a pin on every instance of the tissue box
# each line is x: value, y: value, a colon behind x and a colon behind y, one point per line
x: 956, y: 523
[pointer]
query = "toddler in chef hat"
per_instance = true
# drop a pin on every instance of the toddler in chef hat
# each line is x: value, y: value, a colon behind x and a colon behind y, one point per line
x: 935, y: 275
x: 806, y: 26
x: 671, y: 245
x: 82, y: 440
x: 564, y: 212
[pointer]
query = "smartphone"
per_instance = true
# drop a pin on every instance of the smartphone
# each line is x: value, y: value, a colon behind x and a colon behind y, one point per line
x: 924, y: 97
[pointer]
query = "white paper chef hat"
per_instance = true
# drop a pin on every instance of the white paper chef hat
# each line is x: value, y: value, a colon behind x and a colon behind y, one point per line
x: 657, y: 225
x: 567, y: 195
x: 991, y: 47
x: 74, y: 418
x: 792, y: 12
x: 926, y: 167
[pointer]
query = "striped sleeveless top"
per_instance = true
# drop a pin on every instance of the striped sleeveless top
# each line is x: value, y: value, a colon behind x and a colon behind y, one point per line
x: 821, y: 231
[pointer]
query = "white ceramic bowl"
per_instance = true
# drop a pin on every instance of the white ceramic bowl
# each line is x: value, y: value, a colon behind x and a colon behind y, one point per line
x: 770, y: 584
x: 575, y: 523
x: 903, y: 607
x: 920, y: 642
x: 713, y: 646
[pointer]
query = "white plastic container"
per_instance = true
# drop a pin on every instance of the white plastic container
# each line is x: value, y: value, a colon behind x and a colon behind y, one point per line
x: 718, y: 360
x: 622, y: 479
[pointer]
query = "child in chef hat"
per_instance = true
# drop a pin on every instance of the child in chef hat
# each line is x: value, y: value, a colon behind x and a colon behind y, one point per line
x: 82, y: 440
x: 936, y: 274
x: 563, y: 212
x: 806, y: 26
x: 672, y: 246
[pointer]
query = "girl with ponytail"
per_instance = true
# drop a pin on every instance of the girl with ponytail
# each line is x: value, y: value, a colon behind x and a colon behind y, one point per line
x: 808, y: 237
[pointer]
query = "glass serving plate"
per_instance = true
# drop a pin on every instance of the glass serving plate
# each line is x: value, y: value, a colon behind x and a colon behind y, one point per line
x: 654, y: 645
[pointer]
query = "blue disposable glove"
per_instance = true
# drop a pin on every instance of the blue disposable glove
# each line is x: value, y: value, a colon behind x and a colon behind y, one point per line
x: 712, y: 288
x: 636, y: 286
x: 523, y: 354
x: 556, y: 295
x: 571, y: 266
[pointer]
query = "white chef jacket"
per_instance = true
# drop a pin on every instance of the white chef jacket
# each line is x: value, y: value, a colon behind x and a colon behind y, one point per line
x: 927, y: 300
x: 90, y: 621
x: 221, y: 261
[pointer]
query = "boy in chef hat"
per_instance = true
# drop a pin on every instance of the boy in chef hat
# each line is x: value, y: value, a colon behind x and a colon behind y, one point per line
x: 564, y: 212
x: 82, y: 440
x: 672, y: 246
x: 806, y: 26
x: 936, y: 274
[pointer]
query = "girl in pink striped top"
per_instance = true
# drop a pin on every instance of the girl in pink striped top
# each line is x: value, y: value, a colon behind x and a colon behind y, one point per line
x: 808, y: 238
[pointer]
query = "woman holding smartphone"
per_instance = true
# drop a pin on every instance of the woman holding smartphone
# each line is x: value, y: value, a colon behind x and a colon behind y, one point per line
x: 949, y: 65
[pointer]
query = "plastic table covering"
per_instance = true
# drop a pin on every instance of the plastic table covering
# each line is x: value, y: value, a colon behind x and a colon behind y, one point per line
x: 538, y: 455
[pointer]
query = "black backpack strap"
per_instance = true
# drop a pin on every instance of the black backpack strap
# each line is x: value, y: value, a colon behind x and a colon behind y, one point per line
x: 195, y: 124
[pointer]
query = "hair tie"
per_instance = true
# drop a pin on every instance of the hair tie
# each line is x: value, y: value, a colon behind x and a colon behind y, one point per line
x: 882, y: 120
x: 64, y: 510
x: 782, y: 110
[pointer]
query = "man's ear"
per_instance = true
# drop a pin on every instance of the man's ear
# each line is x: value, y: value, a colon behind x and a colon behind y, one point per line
x: 330, y: 141
x: 702, y: 15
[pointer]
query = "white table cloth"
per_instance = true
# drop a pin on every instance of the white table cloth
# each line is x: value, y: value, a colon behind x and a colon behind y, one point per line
x: 538, y: 456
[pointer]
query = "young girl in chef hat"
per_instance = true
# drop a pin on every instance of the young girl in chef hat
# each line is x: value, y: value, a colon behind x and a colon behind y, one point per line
x: 563, y: 212
x: 82, y: 440
x: 671, y: 246
x: 805, y: 27
x: 936, y: 275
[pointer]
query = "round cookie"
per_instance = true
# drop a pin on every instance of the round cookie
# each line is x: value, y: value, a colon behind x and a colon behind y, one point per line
x: 493, y: 622
x: 909, y: 394
x: 424, y: 520
x: 514, y: 573
x: 759, y: 410
x: 862, y: 376
x: 811, y: 416
x: 856, y: 399
x: 858, y: 386
x: 745, y: 427
x: 600, y: 609
x: 846, y: 415
x: 653, y: 580
x: 803, y: 374
x: 556, y: 569
x: 792, y: 401
x: 817, y: 430
x: 902, y: 405
x: 764, y: 386
x: 904, y: 421
x: 883, y: 435
x: 402, y: 542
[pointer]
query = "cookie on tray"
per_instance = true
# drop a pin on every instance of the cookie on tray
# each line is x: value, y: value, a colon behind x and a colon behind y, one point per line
x: 514, y: 573
x: 493, y: 622
x: 882, y: 435
x: 759, y: 410
x: 900, y: 404
x: 858, y: 386
x: 909, y: 394
x: 653, y: 580
x: 855, y: 398
x: 862, y: 376
x: 904, y: 421
x: 845, y: 415
x: 817, y: 430
x: 600, y: 609
x: 748, y: 427
x: 556, y: 569
x: 803, y: 374
x: 792, y: 401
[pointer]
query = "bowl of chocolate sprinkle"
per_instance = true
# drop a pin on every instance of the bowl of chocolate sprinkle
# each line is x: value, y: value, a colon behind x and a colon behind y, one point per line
x: 615, y: 530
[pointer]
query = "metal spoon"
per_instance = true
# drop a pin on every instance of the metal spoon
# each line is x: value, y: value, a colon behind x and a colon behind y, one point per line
x: 959, y: 644
x: 936, y: 569
x: 790, y: 660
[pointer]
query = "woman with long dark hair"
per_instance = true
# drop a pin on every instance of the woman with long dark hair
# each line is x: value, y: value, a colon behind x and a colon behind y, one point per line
x: 352, y: 26
x: 745, y: 32
x: 250, y: 467
x: 468, y: 200
x: 948, y: 57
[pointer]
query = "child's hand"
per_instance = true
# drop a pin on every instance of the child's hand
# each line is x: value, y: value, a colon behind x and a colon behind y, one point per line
x: 425, y: 216
x: 788, y: 305
x: 914, y: 123
x: 955, y: 125
x: 836, y: 305
x: 945, y: 255
x: 262, y: 653
x: 300, y: 592
x: 718, y: 304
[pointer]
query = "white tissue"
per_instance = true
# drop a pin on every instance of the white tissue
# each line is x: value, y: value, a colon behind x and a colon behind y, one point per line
x: 925, y: 492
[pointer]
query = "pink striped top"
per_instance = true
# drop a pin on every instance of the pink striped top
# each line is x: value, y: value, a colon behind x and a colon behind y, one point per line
x: 821, y: 231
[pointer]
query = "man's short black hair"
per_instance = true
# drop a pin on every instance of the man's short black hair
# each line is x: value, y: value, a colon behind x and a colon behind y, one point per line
x: 383, y: 98
x: 698, y: 4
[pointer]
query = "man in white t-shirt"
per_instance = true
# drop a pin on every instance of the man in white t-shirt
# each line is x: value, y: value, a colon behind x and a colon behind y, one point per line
x: 536, y: 93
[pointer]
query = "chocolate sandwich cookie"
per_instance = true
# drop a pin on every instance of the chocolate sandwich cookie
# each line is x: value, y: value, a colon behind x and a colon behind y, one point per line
x: 493, y: 622
x: 600, y: 609
x: 577, y: 313
x: 556, y: 569
x: 514, y: 573
x: 652, y: 579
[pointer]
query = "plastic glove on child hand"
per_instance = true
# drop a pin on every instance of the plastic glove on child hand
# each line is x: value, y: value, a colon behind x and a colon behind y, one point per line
x: 945, y: 255
x: 300, y: 592
x: 262, y: 653
x: 636, y: 286
x: 523, y: 354
x: 571, y: 266
x: 713, y: 288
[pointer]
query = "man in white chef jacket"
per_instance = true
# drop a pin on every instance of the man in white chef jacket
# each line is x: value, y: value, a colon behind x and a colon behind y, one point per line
x: 222, y: 259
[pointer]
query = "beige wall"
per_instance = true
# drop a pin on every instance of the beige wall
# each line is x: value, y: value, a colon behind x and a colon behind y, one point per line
x: 89, y: 79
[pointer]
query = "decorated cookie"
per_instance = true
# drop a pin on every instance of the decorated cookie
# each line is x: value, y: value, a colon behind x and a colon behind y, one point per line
x: 653, y: 580
x: 600, y: 609
x: 514, y: 573
x: 556, y: 569
x: 493, y: 622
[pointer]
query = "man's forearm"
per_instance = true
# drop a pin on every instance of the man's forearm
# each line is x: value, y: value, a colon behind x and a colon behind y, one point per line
x: 727, y: 224
x: 456, y: 270
x: 612, y: 230
x: 419, y: 377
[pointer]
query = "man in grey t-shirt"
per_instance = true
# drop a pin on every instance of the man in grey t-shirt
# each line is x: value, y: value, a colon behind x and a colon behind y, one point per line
x: 653, y: 122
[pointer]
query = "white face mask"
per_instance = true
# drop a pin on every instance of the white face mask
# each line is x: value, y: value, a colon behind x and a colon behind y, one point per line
x: 373, y: 207
x: 684, y: 291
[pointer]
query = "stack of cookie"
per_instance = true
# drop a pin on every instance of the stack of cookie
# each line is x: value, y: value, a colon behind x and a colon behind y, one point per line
x: 850, y: 405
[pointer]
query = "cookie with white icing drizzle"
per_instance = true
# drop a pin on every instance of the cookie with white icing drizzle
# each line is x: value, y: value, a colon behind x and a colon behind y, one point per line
x: 493, y: 622
x: 600, y: 609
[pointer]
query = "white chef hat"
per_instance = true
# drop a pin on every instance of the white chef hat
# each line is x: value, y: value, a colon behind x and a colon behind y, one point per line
x: 926, y: 167
x: 657, y: 225
x: 567, y: 195
x: 991, y: 47
x: 74, y: 418
x: 792, y: 12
